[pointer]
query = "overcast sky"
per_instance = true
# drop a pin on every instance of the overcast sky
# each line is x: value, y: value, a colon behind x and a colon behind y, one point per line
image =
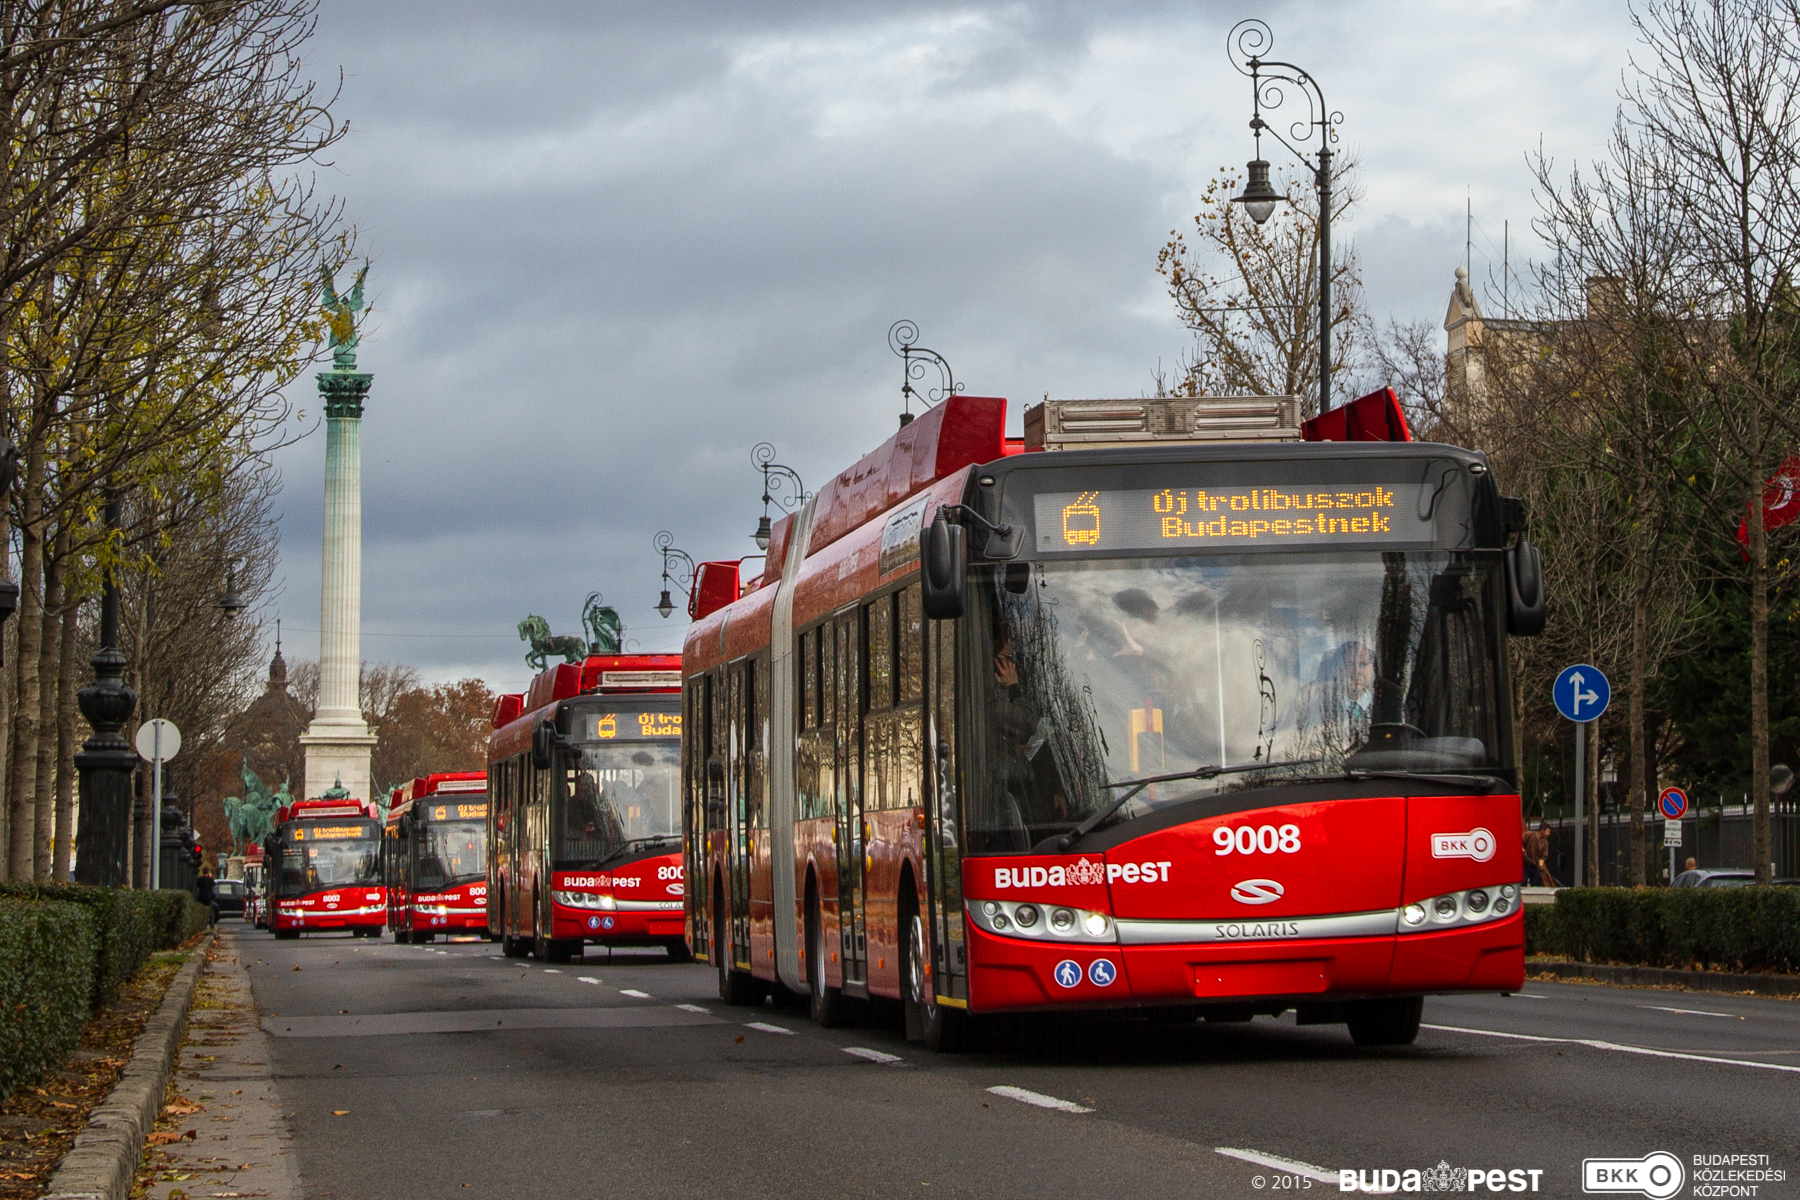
x: 616, y: 245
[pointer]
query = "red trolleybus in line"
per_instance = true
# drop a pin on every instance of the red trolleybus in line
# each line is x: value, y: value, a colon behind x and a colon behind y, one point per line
x: 324, y: 871
x: 584, y: 824
x: 434, y: 856
x: 1183, y: 713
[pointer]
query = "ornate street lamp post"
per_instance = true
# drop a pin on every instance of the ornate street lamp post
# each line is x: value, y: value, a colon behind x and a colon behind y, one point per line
x: 231, y: 604
x: 684, y: 571
x: 106, y: 761
x: 903, y: 340
x: 1246, y: 43
x: 763, y: 457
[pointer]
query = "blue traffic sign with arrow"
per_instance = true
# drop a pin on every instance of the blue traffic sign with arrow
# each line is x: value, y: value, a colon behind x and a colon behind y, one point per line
x: 1581, y: 693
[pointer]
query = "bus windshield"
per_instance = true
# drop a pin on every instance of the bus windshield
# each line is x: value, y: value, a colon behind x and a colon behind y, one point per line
x: 622, y: 795
x: 1107, y: 670
x: 325, y: 854
x: 451, y: 853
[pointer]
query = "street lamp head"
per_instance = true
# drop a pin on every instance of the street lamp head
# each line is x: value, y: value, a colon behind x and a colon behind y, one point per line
x: 231, y: 604
x: 1260, y: 197
x: 665, y: 606
x: 762, y: 532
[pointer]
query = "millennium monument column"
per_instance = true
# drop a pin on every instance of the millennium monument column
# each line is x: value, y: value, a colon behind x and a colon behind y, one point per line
x: 338, y: 745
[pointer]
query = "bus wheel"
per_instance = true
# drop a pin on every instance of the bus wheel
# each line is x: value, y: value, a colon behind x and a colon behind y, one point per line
x: 515, y: 947
x: 553, y: 950
x: 420, y: 937
x: 940, y: 1028
x: 678, y: 950
x: 287, y: 935
x: 1389, y: 1022
x: 827, y: 1002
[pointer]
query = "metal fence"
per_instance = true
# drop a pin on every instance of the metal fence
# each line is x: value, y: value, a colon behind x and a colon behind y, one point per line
x: 1713, y: 837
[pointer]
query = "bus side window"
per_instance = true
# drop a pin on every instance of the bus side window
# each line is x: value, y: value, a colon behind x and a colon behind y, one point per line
x: 910, y: 659
x: 809, y: 679
x: 880, y: 626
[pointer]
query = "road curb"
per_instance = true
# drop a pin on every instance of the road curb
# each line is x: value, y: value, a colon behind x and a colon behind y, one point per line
x: 103, y: 1162
x: 1695, y: 981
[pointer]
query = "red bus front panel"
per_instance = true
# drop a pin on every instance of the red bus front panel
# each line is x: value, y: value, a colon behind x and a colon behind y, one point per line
x: 639, y: 902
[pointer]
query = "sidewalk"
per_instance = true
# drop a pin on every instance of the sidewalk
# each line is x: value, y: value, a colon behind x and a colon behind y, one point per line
x: 223, y: 1093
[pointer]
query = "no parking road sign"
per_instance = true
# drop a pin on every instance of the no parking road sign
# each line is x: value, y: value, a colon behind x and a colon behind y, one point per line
x: 1673, y: 802
x: 1581, y: 693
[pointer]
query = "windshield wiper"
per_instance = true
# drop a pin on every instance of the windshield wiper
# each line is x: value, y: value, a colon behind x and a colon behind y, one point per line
x: 1068, y: 840
x: 631, y: 845
x: 1486, y: 782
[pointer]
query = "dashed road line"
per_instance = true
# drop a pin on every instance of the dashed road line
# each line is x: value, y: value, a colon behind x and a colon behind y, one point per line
x: 1275, y: 1162
x: 872, y: 1055
x: 1038, y: 1099
x: 587, y: 979
x: 695, y: 1008
x: 766, y: 1028
x: 1622, y: 1049
x: 551, y: 971
x: 634, y: 992
x: 1688, y: 1012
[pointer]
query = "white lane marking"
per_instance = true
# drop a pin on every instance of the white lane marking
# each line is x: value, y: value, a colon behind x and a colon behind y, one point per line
x: 1039, y: 1099
x: 1530, y: 996
x: 632, y: 992
x: 766, y: 1028
x: 695, y: 1008
x: 1291, y: 1166
x: 871, y: 1055
x: 498, y: 957
x: 587, y: 979
x: 1622, y: 1049
x: 551, y: 971
x: 443, y: 952
x: 1688, y: 1012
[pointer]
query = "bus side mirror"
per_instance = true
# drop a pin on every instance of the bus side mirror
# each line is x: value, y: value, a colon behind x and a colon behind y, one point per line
x: 1526, y: 608
x: 543, y: 746
x: 944, y: 565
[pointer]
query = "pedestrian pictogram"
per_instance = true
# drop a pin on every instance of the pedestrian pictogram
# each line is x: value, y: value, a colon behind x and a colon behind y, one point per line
x: 1068, y: 973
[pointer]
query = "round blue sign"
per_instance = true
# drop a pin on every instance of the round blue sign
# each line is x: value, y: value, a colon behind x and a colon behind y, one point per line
x: 1067, y: 973
x: 1101, y: 972
x: 1581, y: 693
x: 1673, y: 802
x: 606, y: 922
x: 593, y: 922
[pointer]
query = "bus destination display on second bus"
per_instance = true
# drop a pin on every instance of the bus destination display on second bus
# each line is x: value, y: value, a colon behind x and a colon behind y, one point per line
x: 1286, y: 515
x: 627, y: 726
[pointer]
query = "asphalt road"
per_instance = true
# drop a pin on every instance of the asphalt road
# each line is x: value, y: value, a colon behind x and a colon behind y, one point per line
x: 456, y: 1070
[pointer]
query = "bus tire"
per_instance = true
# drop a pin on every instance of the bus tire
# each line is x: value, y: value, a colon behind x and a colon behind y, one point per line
x: 735, y: 987
x: 678, y: 950
x: 420, y: 937
x: 514, y: 947
x: 1393, y: 1021
x: 827, y: 1003
x: 552, y: 950
x: 286, y: 935
x: 913, y: 988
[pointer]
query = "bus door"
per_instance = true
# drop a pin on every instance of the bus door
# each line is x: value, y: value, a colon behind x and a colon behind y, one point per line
x: 949, y: 957
x: 852, y: 900
x: 737, y: 797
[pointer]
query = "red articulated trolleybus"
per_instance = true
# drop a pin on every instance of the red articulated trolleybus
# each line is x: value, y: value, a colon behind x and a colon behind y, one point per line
x: 584, y: 814
x: 1175, y: 705
x: 434, y: 856
x: 324, y: 869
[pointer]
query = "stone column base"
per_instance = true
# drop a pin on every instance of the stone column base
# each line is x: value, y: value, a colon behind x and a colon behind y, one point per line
x: 338, y: 753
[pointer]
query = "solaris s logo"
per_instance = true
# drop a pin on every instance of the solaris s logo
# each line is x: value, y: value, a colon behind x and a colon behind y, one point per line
x: 1257, y: 891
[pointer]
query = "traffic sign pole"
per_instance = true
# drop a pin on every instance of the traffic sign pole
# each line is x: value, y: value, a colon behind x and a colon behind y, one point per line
x: 1580, y: 784
x: 1581, y: 693
x: 157, y: 741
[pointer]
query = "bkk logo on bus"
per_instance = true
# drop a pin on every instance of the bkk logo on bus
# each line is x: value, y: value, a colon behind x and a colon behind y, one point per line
x: 1477, y: 844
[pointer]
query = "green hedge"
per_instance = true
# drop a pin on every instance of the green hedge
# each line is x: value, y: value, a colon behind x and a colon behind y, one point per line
x: 47, y: 954
x: 1754, y: 929
x: 129, y: 926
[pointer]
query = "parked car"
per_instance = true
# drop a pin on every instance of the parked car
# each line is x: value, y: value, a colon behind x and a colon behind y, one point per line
x: 228, y: 898
x: 1724, y: 877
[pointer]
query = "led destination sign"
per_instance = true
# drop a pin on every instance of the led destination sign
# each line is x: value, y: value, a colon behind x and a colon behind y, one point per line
x: 332, y: 833
x: 630, y: 726
x: 1286, y: 515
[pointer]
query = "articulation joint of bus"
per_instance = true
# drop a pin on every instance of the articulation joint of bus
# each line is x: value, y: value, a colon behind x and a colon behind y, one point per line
x: 1179, y: 705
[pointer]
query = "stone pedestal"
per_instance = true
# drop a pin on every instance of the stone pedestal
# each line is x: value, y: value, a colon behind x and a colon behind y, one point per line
x: 338, y: 744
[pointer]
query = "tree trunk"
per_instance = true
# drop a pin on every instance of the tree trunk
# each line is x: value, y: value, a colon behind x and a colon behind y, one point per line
x: 1640, y: 667
x: 44, y: 823
x: 1591, y: 768
x: 1759, y: 681
x: 68, y: 740
x: 22, y: 769
x: 149, y: 830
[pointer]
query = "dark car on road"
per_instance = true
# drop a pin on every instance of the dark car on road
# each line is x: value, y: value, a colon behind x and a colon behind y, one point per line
x: 1725, y: 877
x: 228, y: 898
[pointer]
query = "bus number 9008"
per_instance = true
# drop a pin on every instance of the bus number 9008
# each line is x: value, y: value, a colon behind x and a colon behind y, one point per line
x: 1257, y: 839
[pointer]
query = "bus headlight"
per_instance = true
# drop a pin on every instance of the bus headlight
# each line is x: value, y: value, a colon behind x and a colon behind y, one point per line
x: 585, y: 900
x: 1021, y: 919
x: 1457, y: 909
x: 1415, y: 914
